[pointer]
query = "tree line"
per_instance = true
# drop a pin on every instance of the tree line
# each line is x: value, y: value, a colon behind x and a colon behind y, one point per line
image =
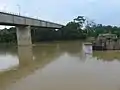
x: 78, y: 28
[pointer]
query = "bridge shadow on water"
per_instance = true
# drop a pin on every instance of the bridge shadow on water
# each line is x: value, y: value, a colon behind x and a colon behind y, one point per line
x: 28, y: 60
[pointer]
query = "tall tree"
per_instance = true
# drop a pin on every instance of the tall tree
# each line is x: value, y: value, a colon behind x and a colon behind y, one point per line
x: 80, y: 20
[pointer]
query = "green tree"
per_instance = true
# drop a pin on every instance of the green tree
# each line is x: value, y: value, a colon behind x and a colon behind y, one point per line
x: 80, y: 20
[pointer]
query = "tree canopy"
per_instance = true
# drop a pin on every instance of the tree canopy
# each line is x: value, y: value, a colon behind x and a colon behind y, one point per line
x: 78, y: 28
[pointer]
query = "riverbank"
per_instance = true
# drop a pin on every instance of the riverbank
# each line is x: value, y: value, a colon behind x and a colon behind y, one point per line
x: 43, y: 42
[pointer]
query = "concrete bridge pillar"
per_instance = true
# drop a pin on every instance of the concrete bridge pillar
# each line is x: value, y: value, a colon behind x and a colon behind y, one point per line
x: 23, y: 35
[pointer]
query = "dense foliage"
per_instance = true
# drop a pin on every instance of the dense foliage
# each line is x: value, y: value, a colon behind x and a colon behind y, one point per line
x: 8, y: 35
x: 73, y: 30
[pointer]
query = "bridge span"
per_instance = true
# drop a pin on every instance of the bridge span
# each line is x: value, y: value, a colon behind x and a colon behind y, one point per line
x: 24, y: 24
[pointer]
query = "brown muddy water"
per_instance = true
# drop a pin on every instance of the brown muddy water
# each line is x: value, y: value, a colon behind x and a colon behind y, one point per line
x: 58, y: 66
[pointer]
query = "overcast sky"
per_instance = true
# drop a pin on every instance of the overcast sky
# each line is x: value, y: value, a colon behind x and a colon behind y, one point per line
x: 62, y: 11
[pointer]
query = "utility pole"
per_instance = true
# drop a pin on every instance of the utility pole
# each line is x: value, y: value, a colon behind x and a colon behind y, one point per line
x: 4, y: 9
x: 19, y: 8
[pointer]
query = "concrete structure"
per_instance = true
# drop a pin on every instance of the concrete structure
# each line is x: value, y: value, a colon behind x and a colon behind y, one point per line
x: 23, y: 25
x: 23, y: 35
x: 107, y: 42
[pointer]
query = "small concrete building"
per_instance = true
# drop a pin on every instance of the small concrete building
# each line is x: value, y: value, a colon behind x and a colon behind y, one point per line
x: 107, y: 42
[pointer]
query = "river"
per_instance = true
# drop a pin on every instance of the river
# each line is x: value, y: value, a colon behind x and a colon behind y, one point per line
x: 58, y: 66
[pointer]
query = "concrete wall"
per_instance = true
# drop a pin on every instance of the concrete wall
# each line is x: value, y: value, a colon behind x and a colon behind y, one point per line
x: 10, y: 19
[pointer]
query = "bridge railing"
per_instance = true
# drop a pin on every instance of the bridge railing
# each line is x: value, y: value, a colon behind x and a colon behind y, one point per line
x: 17, y: 14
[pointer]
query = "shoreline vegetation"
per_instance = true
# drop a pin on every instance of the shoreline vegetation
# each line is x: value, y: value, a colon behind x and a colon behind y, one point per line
x: 78, y: 29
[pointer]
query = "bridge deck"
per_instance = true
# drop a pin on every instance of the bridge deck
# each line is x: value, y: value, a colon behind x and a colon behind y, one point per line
x: 14, y: 20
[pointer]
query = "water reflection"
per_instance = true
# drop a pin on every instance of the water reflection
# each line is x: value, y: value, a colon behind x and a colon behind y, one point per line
x: 8, y: 62
x: 28, y: 63
x: 8, y: 59
x: 59, y: 66
x: 107, y: 55
x: 25, y: 55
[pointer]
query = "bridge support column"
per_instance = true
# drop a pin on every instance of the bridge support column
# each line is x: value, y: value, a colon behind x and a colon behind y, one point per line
x: 23, y: 35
